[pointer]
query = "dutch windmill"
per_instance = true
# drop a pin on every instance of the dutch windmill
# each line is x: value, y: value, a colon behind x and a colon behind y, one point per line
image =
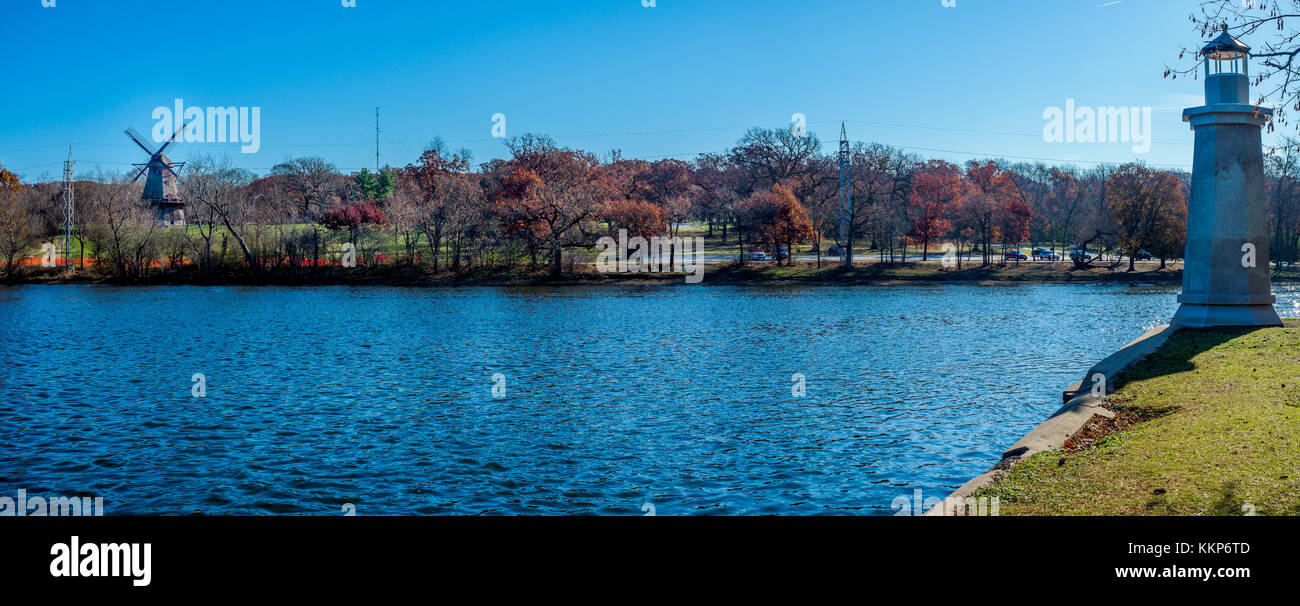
x: 160, y: 191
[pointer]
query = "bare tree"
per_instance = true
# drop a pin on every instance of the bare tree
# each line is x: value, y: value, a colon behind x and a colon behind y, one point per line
x: 773, y: 156
x: 467, y: 214
x: 313, y: 180
x: 215, y: 187
x: 1278, y: 78
x: 120, y: 227
x: 403, y: 212
x: 17, y: 228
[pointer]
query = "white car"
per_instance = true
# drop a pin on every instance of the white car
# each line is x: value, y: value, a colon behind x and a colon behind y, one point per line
x: 757, y: 256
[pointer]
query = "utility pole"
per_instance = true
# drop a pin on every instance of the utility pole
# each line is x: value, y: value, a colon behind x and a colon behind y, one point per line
x: 68, y: 209
x: 846, y: 203
x: 376, y: 140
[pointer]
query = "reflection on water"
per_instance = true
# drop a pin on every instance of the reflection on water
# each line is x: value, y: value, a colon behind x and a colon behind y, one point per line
x: 677, y: 396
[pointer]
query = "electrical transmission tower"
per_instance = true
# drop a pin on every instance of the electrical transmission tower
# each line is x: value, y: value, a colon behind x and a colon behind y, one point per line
x: 376, y: 140
x: 68, y: 209
x: 846, y: 202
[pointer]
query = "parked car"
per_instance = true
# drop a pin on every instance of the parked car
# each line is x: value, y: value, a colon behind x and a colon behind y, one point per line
x: 834, y: 251
x: 1046, y: 255
x: 1076, y: 255
x: 1142, y: 255
x: 1015, y: 255
x: 758, y: 256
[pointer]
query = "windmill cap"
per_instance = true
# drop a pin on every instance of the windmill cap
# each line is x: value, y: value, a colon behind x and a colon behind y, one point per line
x: 1225, y: 43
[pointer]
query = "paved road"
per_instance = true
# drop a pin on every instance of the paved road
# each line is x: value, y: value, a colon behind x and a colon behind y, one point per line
x: 871, y: 258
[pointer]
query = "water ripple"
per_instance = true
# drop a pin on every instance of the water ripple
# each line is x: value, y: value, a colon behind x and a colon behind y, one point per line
x: 680, y: 397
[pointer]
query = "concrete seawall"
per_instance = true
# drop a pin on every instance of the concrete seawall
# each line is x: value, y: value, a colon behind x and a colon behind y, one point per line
x: 1080, y: 407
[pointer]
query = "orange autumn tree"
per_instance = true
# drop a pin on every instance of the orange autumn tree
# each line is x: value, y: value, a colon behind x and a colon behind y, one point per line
x: 438, y: 181
x: 1171, y: 239
x: 991, y: 191
x: 670, y: 182
x: 549, y: 195
x: 1149, y: 207
x: 937, y: 189
x: 1013, y: 223
x: 776, y: 218
x: 638, y: 185
x: 638, y: 217
x: 8, y: 180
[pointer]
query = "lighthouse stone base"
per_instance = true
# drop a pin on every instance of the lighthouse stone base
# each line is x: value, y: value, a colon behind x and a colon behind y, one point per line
x: 1191, y: 315
x: 1226, y: 278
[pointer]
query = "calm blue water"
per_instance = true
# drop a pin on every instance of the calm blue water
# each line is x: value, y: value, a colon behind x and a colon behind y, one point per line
x: 615, y: 397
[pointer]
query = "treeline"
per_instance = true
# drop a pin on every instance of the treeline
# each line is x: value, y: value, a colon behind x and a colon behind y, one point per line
x: 544, y: 206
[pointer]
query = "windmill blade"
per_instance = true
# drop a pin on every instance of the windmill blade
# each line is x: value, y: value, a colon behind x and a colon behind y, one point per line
x: 137, y: 175
x: 139, y: 140
x: 171, y: 168
x: 173, y: 137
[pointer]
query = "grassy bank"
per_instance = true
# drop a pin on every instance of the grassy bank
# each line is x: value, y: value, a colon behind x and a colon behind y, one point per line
x: 1208, y: 425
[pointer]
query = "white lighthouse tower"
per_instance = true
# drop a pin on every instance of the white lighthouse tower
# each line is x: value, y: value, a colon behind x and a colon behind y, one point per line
x: 1226, y: 274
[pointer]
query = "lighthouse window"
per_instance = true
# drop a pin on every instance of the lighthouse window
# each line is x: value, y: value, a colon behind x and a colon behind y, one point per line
x: 1225, y: 63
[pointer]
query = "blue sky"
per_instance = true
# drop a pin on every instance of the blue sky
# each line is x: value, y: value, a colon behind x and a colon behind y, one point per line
x: 683, y: 77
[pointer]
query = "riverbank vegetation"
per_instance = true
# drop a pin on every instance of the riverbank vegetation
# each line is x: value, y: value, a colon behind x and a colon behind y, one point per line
x: 539, y: 211
x: 1208, y: 425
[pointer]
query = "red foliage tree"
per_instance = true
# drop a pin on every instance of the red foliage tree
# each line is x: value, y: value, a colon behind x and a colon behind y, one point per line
x: 638, y: 217
x: 352, y: 217
x: 776, y: 218
x: 991, y: 191
x: 937, y: 189
x: 438, y: 181
x: 548, y: 195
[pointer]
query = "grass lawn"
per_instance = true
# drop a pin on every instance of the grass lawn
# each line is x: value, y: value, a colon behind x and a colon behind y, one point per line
x: 1217, y: 432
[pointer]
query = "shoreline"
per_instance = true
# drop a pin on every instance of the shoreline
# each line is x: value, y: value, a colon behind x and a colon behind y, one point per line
x: 1108, y: 448
x: 730, y: 275
x: 1080, y: 407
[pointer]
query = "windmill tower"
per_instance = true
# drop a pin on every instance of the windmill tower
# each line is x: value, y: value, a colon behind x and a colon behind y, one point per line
x: 160, y: 191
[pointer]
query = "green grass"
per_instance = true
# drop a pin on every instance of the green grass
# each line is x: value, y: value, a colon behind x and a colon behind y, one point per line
x: 1224, y: 440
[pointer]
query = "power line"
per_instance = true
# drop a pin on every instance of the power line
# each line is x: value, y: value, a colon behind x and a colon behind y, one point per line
x: 1012, y: 157
x: 977, y: 154
x: 378, y: 141
x: 38, y: 166
x: 630, y: 134
x: 984, y: 132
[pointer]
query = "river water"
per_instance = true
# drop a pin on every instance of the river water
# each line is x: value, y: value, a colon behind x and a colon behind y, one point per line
x: 323, y: 399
